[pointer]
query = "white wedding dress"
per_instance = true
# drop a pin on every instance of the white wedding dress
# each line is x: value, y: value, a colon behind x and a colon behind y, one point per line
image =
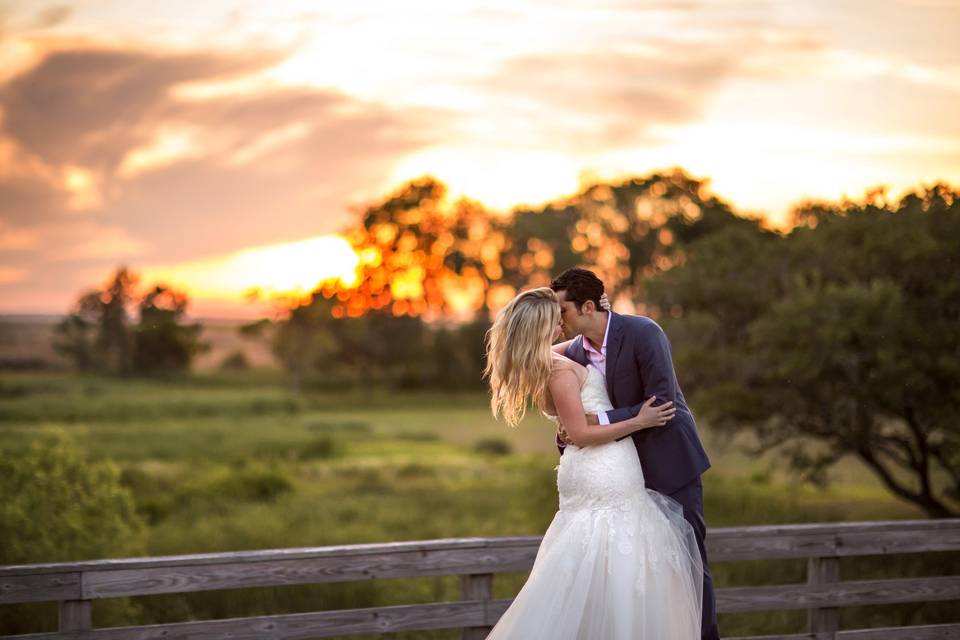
x: 618, y: 562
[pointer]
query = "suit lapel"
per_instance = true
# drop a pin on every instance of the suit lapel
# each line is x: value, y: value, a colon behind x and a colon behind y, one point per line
x: 576, y: 352
x: 614, y: 344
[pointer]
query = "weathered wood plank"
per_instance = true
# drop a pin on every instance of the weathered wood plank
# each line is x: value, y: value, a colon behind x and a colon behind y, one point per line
x: 749, y: 543
x: 838, y: 540
x: 478, y: 587
x: 188, y: 578
x: 75, y: 615
x: 269, y: 555
x: 920, y: 632
x: 841, y: 594
x: 42, y: 587
x: 924, y: 632
x: 823, y: 571
x: 402, y: 618
x: 109, y: 578
x: 297, y: 626
x: 323, y: 569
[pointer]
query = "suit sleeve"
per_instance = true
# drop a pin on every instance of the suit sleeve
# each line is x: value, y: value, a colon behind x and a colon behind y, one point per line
x: 655, y: 363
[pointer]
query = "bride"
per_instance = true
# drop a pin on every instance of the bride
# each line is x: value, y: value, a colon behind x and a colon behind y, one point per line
x: 618, y: 561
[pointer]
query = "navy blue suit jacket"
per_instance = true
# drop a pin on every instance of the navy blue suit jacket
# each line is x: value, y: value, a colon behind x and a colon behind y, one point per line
x: 639, y: 365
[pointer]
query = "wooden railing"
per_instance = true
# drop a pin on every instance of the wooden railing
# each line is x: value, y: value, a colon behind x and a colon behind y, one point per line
x: 75, y: 585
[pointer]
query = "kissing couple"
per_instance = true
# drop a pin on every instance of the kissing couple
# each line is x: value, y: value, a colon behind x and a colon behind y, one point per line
x: 624, y: 557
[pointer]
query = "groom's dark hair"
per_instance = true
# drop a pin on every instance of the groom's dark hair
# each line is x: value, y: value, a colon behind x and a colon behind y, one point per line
x: 580, y: 285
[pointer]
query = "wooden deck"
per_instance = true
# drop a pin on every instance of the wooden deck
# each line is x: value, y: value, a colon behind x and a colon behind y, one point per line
x: 75, y: 585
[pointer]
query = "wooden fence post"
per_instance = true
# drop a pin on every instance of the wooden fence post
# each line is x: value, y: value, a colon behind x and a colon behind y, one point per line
x: 75, y: 615
x: 477, y: 586
x: 823, y: 622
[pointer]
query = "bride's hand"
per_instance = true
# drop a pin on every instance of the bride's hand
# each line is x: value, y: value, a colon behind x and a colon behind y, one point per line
x: 605, y: 302
x: 651, y: 416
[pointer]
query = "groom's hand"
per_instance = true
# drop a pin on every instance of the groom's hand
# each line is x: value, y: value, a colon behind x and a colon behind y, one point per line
x: 592, y: 419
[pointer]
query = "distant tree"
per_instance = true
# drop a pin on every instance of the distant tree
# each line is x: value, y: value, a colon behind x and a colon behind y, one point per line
x: 304, y: 341
x: 100, y: 334
x: 235, y: 361
x: 254, y: 330
x: 421, y: 255
x: 840, y: 338
x: 458, y: 350
x: 97, y: 334
x: 162, y: 341
x: 73, y: 339
x: 625, y: 231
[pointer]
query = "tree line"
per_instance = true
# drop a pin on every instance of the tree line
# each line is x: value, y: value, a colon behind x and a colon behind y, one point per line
x: 839, y: 336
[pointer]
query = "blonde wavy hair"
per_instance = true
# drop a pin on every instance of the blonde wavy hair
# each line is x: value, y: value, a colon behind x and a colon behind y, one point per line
x: 519, y: 358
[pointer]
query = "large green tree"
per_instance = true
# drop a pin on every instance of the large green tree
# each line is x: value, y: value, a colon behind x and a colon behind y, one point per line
x: 841, y: 338
x: 448, y: 264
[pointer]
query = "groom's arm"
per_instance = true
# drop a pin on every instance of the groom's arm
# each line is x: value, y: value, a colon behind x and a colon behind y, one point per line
x: 655, y: 363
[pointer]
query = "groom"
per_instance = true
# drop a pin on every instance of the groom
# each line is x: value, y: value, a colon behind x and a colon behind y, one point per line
x: 634, y: 355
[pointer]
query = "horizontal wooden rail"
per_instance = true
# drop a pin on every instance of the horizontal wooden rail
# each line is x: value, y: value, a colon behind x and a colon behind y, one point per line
x: 837, y: 594
x: 420, y: 617
x: 76, y: 584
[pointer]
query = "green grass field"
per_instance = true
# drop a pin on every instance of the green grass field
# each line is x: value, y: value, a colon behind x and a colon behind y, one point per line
x: 220, y: 462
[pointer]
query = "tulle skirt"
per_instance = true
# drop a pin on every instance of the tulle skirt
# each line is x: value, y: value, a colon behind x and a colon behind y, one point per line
x: 623, y: 565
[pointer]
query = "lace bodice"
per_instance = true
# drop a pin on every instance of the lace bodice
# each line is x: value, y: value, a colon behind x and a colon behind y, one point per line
x: 603, y: 476
x: 593, y: 393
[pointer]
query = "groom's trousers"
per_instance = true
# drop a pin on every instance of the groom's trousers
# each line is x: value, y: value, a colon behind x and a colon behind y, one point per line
x: 690, y: 498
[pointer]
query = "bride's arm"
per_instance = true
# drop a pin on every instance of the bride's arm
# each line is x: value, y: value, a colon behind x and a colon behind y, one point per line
x: 561, y: 347
x: 565, y: 392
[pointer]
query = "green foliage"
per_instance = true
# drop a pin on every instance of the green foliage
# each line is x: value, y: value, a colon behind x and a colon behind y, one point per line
x: 58, y: 506
x: 839, y: 338
x: 97, y: 335
x: 235, y: 361
x: 423, y: 260
x: 254, y: 483
x: 162, y: 342
x: 321, y: 448
x: 377, y: 349
x: 493, y: 446
x: 254, y: 329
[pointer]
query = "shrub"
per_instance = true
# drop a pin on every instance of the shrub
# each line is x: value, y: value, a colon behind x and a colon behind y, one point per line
x: 235, y: 361
x: 323, y: 448
x: 57, y: 506
x: 493, y: 446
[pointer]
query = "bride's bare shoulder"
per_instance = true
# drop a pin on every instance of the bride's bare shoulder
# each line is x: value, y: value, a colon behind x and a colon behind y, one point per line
x: 563, y: 363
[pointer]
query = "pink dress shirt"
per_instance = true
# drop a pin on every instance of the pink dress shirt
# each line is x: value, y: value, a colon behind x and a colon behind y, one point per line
x: 599, y: 360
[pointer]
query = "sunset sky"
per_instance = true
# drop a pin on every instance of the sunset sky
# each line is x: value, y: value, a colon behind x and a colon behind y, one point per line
x: 217, y: 145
